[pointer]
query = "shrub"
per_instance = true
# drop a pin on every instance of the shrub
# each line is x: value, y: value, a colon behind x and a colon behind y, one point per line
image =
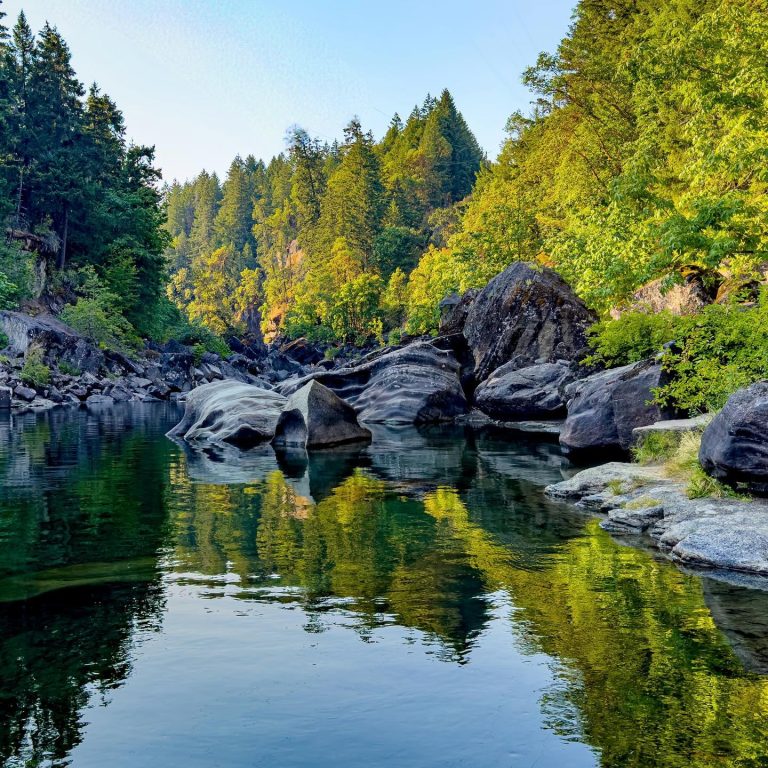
x: 3, y: 340
x: 97, y: 314
x: 16, y: 275
x: 720, y: 350
x: 34, y: 371
x: 67, y: 369
x: 633, y: 337
x: 715, y: 352
x: 91, y: 318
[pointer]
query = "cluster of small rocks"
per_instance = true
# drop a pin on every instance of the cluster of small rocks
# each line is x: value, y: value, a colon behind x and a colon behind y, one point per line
x: 156, y: 375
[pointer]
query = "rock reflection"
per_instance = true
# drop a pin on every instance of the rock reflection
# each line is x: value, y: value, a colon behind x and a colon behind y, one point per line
x: 426, y: 530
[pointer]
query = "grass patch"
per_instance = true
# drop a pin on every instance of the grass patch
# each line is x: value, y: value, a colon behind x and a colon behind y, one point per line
x: 620, y: 487
x: 68, y: 369
x: 684, y: 465
x: 642, y: 502
x: 656, y: 447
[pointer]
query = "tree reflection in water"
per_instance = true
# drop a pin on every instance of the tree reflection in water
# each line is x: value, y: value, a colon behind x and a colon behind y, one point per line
x: 423, y: 530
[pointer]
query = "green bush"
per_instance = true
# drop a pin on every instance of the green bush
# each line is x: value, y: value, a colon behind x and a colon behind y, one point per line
x: 34, y: 371
x: 634, y: 336
x: 91, y: 318
x: 16, y: 275
x: 97, y: 314
x: 67, y: 369
x: 715, y: 352
x: 720, y: 350
x: 3, y: 340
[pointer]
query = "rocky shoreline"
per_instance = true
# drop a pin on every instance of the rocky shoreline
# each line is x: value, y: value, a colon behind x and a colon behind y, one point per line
x: 507, y: 356
x: 635, y: 500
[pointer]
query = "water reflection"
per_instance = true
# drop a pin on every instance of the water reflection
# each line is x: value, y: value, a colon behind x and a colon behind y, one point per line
x: 439, y: 534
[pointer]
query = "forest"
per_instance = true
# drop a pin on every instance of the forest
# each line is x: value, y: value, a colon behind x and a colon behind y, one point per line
x: 642, y: 157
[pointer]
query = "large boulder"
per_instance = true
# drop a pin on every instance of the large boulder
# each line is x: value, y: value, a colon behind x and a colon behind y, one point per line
x: 527, y: 314
x: 734, y: 447
x: 59, y: 342
x: 416, y: 384
x: 230, y: 412
x: 454, y: 310
x: 519, y: 394
x: 605, y: 408
x: 314, y: 417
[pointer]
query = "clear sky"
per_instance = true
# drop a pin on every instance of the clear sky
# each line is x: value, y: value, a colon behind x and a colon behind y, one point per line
x: 204, y: 80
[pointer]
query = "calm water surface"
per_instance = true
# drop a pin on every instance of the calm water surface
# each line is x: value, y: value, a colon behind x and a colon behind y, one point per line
x: 415, y: 603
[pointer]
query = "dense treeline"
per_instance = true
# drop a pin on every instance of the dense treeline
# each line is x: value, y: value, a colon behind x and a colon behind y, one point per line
x: 645, y: 154
x: 71, y: 185
x: 644, y: 157
x: 324, y: 235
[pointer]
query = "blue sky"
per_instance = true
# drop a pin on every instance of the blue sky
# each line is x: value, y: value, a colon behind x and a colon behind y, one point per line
x: 206, y: 80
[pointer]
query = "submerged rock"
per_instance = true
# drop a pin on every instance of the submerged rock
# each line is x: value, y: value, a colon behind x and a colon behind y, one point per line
x: 606, y: 407
x: 230, y: 412
x: 314, y: 416
x: 734, y: 447
x: 527, y: 314
x: 535, y: 392
x: 416, y: 384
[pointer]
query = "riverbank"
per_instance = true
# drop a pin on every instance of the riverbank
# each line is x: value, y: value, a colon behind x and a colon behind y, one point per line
x: 729, y: 534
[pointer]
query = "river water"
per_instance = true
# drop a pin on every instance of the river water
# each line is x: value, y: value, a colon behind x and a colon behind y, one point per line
x: 416, y: 603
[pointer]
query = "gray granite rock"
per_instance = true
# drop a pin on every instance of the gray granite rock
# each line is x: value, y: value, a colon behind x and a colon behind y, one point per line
x: 526, y: 314
x: 315, y: 417
x: 718, y: 534
x: 534, y: 392
x: 605, y: 408
x: 417, y: 384
x: 230, y: 412
x: 734, y: 447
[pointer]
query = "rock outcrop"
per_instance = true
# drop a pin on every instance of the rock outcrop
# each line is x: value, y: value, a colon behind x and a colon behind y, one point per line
x: 605, y: 408
x: 535, y: 392
x: 734, y: 447
x: 721, y: 534
x: 315, y: 417
x: 454, y: 310
x: 417, y: 384
x: 230, y: 412
x: 525, y: 315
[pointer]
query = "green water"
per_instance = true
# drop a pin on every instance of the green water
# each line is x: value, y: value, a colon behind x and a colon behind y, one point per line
x: 414, y: 603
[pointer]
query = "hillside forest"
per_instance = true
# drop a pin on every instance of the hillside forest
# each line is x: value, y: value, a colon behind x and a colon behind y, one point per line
x: 643, y: 157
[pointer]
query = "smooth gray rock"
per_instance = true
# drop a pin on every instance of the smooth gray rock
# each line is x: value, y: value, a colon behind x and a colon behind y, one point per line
x: 605, y: 408
x: 632, y: 520
x: 718, y: 534
x: 314, y: 417
x: 454, y: 310
x: 516, y: 394
x: 596, y: 479
x: 230, y: 412
x: 526, y: 314
x: 25, y: 393
x: 675, y: 425
x: 417, y: 384
x: 734, y: 447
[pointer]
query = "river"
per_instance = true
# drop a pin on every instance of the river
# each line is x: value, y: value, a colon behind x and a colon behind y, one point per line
x: 414, y: 603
